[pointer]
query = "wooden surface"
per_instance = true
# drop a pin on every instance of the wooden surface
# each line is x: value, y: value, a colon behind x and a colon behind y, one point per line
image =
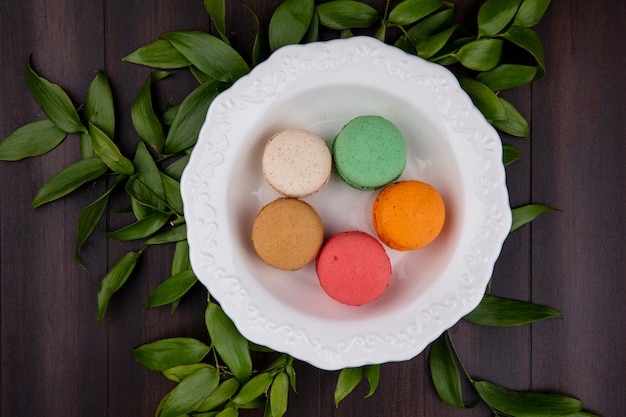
x: 57, y: 361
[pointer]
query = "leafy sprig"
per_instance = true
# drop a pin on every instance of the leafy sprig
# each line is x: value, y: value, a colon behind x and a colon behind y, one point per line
x: 217, y: 379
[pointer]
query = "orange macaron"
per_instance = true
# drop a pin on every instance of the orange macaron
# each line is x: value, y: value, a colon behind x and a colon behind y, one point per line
x: 408, y: 215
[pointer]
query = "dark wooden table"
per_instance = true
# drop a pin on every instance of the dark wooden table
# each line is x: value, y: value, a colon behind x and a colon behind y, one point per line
x: 57, y: 360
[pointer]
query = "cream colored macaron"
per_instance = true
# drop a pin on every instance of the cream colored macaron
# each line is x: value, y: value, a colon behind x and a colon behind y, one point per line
x: 296, y: 162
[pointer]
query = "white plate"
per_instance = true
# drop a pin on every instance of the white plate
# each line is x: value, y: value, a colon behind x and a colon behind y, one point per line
x: 320, y: 87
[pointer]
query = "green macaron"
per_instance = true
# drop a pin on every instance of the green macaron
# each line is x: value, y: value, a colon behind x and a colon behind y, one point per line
x: 369, y: 152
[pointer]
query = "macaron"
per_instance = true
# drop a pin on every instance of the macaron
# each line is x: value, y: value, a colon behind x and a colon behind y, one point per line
x: 408, y: 215
x: 296, y: 162
x: 369, y: 152
x: 287, y: 234
x: 353, y: 268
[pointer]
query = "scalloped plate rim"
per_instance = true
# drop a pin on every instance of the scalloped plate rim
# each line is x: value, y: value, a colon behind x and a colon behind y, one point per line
x: 236, y: 300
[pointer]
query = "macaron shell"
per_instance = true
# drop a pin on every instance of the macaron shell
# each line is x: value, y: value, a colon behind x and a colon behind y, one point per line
x: 353, y: 268
x: 369, y: 152
x: 296, y: 162
x: 408, y: 215
x: 287, y: 234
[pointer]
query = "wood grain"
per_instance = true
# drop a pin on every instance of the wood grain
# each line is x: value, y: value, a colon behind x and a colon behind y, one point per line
x: 55, y: 358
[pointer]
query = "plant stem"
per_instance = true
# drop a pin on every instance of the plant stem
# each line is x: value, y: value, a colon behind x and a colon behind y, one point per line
x: 178, y: 220
x: 386, y: 11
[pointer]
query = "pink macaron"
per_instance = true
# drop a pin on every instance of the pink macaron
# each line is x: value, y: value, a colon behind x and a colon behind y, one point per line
x: 353, y: 268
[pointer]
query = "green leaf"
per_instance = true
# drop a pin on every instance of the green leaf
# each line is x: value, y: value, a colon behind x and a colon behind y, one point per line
x: 175, y: 234
x: 446, y: 55
x: 484, y: 99
x: 172, y: 193
x: 346, y: 33
x: 222, y: 393
x: 381, y: 33
x: 494, y: 15
x: 180, y: 372
x: 114, y: 279
x: 228, y: 342
x: 481, y: 54
x: 279, y: 394
x: 229, y: 412
x: 372, y: 373
x: 258, y: 402
x: 175, y: 169
x: 405, y: 44
x: 167, y: 118
x: 445, y: 373
x: 346, y: 14
x: 254, y: 388
x: 582, y: 414
x: 526, y: 214
x: 69, y: 179
x: 158, y: 54
x: 184, y: 131
x: 530, y: 12
x: 200, y: 76
x: 99, y: 108
x: 432, y: 24
x: 258, y: 348
x: 217, y: 11
x: 160, y: 405
x: 32, y: 139
x: 427, y: 47
x: 180, y: 259
x: 139, y: 209
x: 505, y: 312
x: 410, y: 11
x: 190, y: 393
x: 108, y: 152
x: 86, y: 148
x: 291, y: 373
x: 313, y: 33
x: 526, y: 404
x: 145, y: 120
x: 528, y: 40
x: 290, y: 22
x: 514, y: 123
x: 54, y: 102
x: 168, y: 353
x: 90, y: 216
x: 172, y: 289
x: 141, y: 228
x: 510, y: 154
x: 180, y: 263
x: 210, y: 54
x: 144, y: 196
x: 148, y: 172
x: 507, y: 76
x: 347, y: 381
x: 277, y: 364
x: 260, y: 47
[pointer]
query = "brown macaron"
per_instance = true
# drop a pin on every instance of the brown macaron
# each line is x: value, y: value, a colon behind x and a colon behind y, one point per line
x: 287, y: 234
